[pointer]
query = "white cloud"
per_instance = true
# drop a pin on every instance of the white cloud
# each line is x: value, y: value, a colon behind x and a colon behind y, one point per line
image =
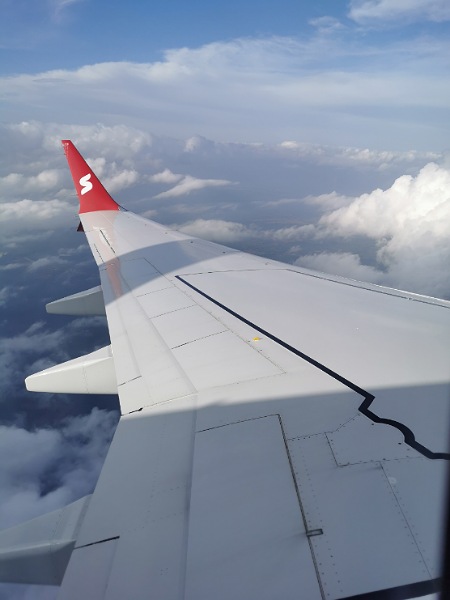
x: 329, y: 201
x: 45, y: 262
x: 19, y: 352
x: 12, y: 266
x: 36, y: 339
x: 410, y: 222
x: 37, y: 210
x: 368, y: 11
x: 294, y: 232
x: 216, y: 230
x: 165, y: 176
x: 8, y: 293
x: 411, y: 204
x: 191, y: 184
x: 73, y: 455
x: 18, y: 183
x: 112, y: 176
x: 344, y: 264
x: 121, y: 180
x: 326, y: 23
x: 259, y: 89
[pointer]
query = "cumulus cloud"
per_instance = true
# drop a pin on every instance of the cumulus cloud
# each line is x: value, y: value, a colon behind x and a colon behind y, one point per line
x: 369, y: 11
x: 344, y: 264
x: 18, y: 183
x: 22, y: 213
x: 410, y: 204
x: 114, y: 142
x: 410, y: 221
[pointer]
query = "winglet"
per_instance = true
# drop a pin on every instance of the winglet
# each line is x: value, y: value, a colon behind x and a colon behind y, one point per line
x: 91, y: 193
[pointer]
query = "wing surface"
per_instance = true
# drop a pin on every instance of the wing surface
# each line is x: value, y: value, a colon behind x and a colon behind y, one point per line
x: 284, y: 433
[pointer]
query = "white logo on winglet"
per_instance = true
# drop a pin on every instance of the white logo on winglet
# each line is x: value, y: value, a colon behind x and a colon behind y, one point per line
x: 86, y: 185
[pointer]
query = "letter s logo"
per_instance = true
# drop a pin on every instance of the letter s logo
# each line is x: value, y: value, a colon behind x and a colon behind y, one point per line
x: 86, y: 185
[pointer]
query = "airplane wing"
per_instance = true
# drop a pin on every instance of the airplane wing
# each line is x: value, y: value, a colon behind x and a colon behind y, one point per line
x: 283, y: 433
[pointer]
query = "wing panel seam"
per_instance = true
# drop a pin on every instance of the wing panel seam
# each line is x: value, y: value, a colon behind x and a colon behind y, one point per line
x: 368, y: 397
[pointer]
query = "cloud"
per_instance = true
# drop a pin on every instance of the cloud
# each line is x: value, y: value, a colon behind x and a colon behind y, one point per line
x: 325, y: 201
x: 18, y: 183
x: 59, y: 8
x: 12, y: 266
x: 45, y: 262
x: 27, y: 215
x: 165, y: 176
x: 120, y: 180
x: 370, y: 11
x: 326, y: 23
x: 24, y: 347
x: 410, y: 221
x: 38, y: 210
x: 8, y: 293
x: 216, y: 230
x: 20, y: 352
x: 410, y: 204
x: 45, y: 469
x: 324, y: 87
x: 191, y: 184
x: 294, y: 232
x: 344, y: 264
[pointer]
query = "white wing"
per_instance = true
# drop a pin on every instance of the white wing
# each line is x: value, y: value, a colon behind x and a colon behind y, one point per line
x: 284, y: 434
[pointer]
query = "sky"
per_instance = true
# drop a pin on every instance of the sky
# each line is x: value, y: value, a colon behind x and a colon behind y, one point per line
x: 316, y: 133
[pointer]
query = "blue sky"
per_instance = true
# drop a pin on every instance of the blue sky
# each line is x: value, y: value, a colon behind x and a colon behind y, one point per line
x: 316, y: 133
x: 65, y: 34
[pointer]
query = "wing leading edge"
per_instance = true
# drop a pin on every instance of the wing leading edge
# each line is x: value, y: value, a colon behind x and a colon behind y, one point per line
x: 283, y: 433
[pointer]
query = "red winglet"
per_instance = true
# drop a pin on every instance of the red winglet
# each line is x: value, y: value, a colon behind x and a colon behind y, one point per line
x: 91, y: 194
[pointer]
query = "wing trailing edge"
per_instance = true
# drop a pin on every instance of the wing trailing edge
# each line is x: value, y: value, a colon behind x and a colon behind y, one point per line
x: 39, y: 550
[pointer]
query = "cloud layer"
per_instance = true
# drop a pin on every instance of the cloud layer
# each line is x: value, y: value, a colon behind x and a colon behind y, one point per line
x: 266, y: 89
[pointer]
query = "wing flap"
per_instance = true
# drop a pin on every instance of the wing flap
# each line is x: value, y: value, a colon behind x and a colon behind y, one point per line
x: 354, y: 506
x: 247, y: 536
